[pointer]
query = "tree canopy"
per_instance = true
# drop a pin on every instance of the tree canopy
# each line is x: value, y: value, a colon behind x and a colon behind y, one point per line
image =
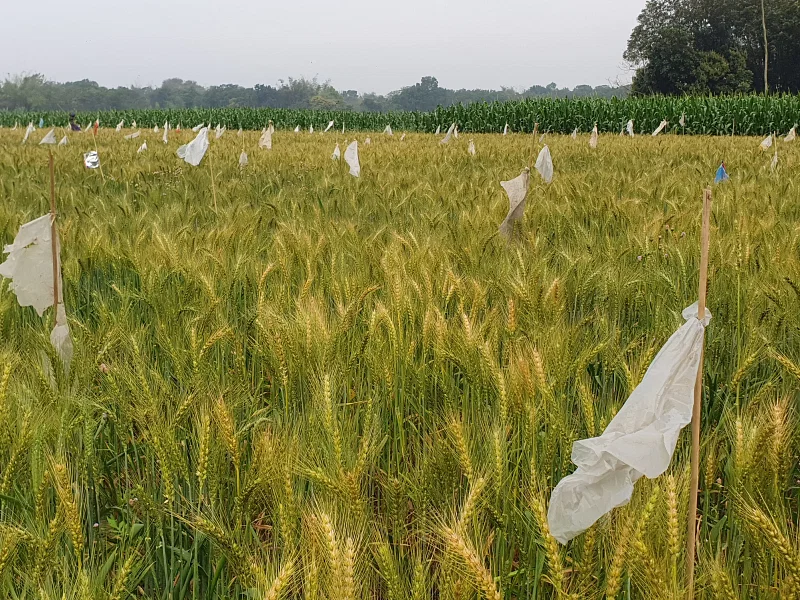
x: 715, y: 46
x: 35, y: 92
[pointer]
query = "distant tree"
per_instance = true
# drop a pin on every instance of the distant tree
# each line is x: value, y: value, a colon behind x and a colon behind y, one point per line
x: 34, y: 92
x: 714, y: 46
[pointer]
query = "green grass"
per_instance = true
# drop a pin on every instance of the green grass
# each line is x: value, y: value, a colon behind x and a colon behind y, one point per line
x: 332, y: 387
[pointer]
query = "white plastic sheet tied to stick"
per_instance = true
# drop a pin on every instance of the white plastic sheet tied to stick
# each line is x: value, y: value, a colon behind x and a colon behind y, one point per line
x: 194, y: 151
x: 517, y: 190
x: 544, y: 164
x: 593, y: 138
x: 640, y: 440
x: 50, y: 138
x: 448, y: 135
x: 660, y: 128
x: 351, y: 158
x: 265, y: 141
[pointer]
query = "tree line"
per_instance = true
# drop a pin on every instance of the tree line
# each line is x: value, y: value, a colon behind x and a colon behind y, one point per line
x: 33, y: 92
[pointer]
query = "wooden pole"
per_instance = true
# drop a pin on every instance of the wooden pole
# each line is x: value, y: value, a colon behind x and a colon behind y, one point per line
x: 54, y: 236
x: 766, y: 48
x: 99, y: 163
x: 698, y: 392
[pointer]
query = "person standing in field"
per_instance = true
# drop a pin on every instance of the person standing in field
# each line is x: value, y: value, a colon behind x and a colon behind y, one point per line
x: 72, y: 124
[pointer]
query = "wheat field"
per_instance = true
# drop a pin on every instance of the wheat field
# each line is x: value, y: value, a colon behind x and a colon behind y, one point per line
x: 330, y: 387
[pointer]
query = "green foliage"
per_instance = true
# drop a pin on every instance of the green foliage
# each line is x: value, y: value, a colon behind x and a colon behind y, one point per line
x: 695, y: 46
x: 34, y: 92
x: 706, y: 115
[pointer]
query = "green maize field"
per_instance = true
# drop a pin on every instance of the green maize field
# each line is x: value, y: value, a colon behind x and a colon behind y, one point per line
x: 741, y: 115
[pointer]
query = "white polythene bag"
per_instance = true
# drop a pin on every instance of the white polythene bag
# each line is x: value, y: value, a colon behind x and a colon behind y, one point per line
x: 29, y: 264
x: 517, y: 190
x: 640, y: 440
x: 194, y: 151
x: 351, y: 158
x: 544, y: 164
x: 593, y: 138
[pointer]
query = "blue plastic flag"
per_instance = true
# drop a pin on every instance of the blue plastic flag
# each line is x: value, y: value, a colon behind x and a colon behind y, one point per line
x: 722, y: 174
x: 41, y: 122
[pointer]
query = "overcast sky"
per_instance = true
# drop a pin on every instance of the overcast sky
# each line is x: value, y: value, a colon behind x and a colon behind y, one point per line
x: 367, y: 45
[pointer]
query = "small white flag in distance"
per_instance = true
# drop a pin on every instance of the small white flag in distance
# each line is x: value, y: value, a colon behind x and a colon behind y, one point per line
x: 640, y: 440
x: 265, y: 141
x: 336, y: 153
x: 50, y: 138
x: 310, y: 129
x: 402, y: 137
x: 219, y: 132
x: 165, y: 135
x: 766, y: 143
x: 328, y: 128
x: 342, y: 127
x: 574, y: 134
x: 351, y: 158
x: 63, y: 141
x: 194, y: 151
x: 682, y: 120
x: 155, y: 129
x: 505, y: 129
x: 30, y: 267
x: 791, y: 135
x: 142, y: 148
x: 517, y: 190
x: 28, y: 132
x: 91, y: 159
x: 471, y: 148
x: 544, y: 164
x: 629, y: 128
x: 449, y: 134
x: 367, y: 141
x: 197, y: 128
x: 119, y: 126
x: 388, y: 130
x: 239, y: 133
x: 455, y: 132
x: 271, y: 126
x: 133, y: 136
x: 593, y: 138
x: 297, y: 129
x: 774, y: 164
x: 133, y: 124
x: 660, y: 128
x: 438, y: 129
x: 243, y: 159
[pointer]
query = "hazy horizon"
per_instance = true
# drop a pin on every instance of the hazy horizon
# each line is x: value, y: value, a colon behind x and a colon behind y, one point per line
x: 354, y: 45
